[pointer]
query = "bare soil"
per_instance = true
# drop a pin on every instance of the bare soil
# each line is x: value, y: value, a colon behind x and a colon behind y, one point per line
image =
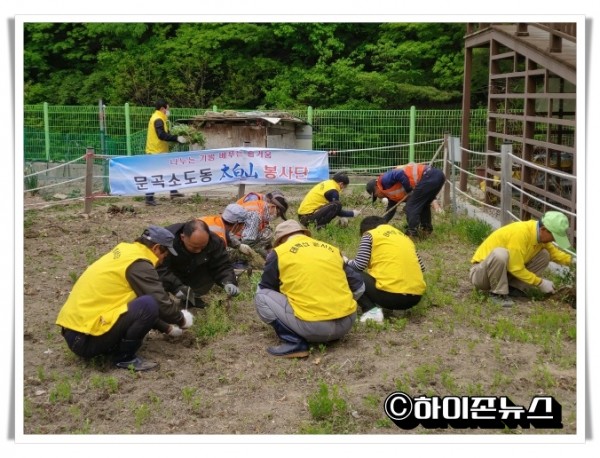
x: 227, y: 383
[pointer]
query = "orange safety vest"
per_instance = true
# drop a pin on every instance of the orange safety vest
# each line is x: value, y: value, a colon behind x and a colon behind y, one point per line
x: 397, y: 193
x: 216, y: 225
x: 254, y: 196
x: 262, y: 208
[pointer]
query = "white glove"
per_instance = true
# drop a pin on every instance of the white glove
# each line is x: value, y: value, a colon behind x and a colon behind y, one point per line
x: 343, y: 221
x: 245, y: 249
x: 356, y: 212
x: 188, y: 319
x: 385, y: 201
x: 231, y: 289
x: 345, y: 258
x: 182, y: 139
x: 175, y: 331
x: 546, y: 286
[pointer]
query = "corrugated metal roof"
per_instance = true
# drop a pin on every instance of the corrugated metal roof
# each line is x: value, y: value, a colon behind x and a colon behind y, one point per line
x: 272, y: 117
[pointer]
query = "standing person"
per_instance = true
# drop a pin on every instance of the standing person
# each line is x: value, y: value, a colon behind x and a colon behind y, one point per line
x: 118, y: 299
x: 391, y: 269
x: 419, y: 181
x: 306, y: 292
x: 512, y: 258
x: 157, y: 139
x: 322, y: 203
x: 201, y: 262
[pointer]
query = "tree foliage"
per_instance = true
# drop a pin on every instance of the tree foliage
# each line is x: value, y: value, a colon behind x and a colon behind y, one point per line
x: 245, y: 65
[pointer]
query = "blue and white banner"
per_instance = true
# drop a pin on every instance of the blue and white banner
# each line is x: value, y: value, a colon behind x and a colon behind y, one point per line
x: 132, y: 175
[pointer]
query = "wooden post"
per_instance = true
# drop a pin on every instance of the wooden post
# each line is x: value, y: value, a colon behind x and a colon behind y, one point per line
x: 89, y: 179
x: 506, y: 196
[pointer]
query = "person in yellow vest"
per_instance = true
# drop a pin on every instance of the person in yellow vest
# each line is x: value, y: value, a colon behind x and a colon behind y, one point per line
x: 417, y: 185
x: 512, y: 258
x: 322, y: 203
x: 391, y: 269
x: 157, y: 140
x: 119, y: 298
x: 306, y: 293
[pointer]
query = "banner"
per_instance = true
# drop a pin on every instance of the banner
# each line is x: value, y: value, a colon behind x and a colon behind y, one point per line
x: 132, y: 175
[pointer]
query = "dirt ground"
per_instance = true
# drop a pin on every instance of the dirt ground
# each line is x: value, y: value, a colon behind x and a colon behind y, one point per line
x: 226, y: 383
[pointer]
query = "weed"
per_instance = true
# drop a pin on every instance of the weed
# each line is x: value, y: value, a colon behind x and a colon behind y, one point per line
x: 61, y: 392
x: 31, y: 181
x: 543, y: 378
x: 108, y: 383
x: 142, y: 414
x: 73, y: 276
x: 322, y: 405
x: 425, y: 374
x: 41, y: 373
x: 215, y: 322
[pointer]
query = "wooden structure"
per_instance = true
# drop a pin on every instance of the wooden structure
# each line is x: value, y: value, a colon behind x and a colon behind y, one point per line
x: 532, y: 105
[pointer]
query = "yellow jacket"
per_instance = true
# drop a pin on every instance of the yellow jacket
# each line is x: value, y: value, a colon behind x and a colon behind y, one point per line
x: 155, y: 145
x: 100, y: 296
x: 315, y: 198
x: 521, y: 241
x: 312, y: 278
x: 394, y: 263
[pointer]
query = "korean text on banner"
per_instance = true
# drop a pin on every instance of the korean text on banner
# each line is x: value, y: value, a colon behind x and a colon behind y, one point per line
x: 132, y: 175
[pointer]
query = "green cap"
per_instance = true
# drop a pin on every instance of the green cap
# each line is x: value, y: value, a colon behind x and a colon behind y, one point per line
x: 558, y: 224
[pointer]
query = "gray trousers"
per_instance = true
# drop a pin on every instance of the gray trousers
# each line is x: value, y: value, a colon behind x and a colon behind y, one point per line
x: 271, y: 306
x: 491, y: 274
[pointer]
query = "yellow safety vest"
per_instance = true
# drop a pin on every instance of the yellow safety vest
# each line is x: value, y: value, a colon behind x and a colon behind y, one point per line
x: 315, y: 198
x: 312, y: 278
x: 521, y: 240
x: 100, y: 296
x: 394, y: 263
x: 155, y: 145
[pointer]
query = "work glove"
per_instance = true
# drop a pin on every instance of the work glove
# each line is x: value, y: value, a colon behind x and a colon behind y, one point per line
x: 343, y: 221
x: 546, y: 286
x: 188, y: 319
x: 174, y: 331
x: 345, y: 258
x: 355, y: 213
x: 182, y: 139
x: 385, y: 201
x: 186, y: 295
x: 231, y: 289
x: 245, y: 249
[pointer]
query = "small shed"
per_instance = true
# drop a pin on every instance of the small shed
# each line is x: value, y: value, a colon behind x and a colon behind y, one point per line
x: 272, y: 129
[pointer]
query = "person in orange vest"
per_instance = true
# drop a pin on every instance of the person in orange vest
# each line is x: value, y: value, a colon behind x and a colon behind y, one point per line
x: 157, y: 140
x: 249, y: 224
x: 418, y: 185
x: 390, y: 267
x: 275, y: 197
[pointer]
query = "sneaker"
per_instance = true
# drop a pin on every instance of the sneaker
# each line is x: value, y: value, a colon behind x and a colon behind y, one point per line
x: 502, y: 300
x: 137, y: 364
x: 375, y: 314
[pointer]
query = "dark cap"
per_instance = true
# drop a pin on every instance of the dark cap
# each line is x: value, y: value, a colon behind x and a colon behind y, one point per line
x: 371, y: 185
x: 160, y: 236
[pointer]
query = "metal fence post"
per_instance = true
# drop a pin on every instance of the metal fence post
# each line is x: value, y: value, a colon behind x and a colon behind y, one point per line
x: 506, y: 171
x: 127, y: 129
x: 47, y: 131
x: 412, y: 134
x: 89, y: 179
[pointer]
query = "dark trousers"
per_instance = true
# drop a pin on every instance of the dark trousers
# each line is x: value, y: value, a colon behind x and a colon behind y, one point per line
x: 323, y: 215
x: 418, y: 206
x: 134, y: 324
x: 374, y: 297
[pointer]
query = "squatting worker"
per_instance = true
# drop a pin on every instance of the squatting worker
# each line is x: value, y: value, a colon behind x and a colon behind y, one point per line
x: 322, y: 203
x: 306, y: 293
x: 512, y: 258
x: 158, y: 137
x: 118, y: 299
x: 419, y: 181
